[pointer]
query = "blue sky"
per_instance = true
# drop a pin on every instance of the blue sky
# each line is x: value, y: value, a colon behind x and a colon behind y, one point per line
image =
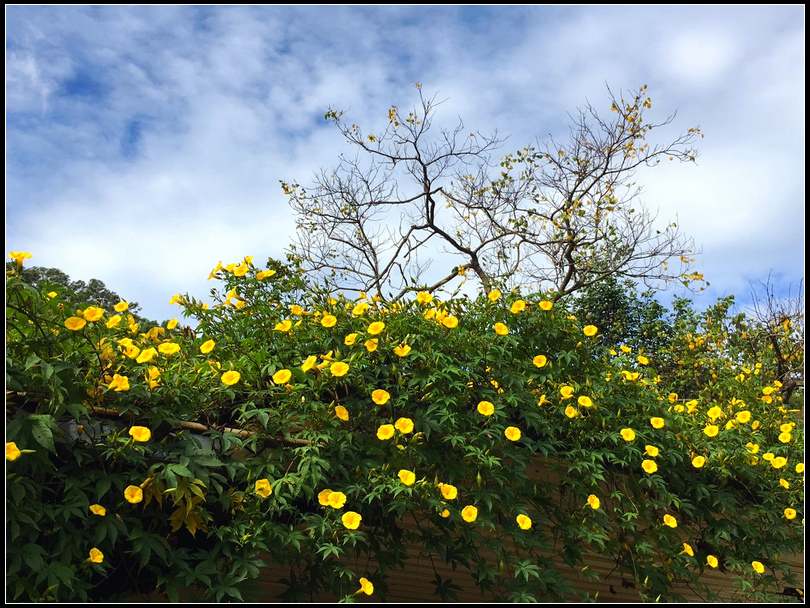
x: 145, y: 144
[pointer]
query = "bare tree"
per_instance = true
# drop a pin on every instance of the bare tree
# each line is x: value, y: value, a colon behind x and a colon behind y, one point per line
x: 559, y: 215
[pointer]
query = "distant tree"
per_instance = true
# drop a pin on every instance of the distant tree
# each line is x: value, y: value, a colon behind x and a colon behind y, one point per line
x: 565, y: 215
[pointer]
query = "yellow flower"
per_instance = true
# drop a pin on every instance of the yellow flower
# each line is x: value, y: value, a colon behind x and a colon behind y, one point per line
x: 351, y: 520
x: 450, y: 322
x: 296, y: 310
x: 673, y: 397
x: 698, y: 461
x: 501, y: 329
x: 404, y: 425
x: 512, y: 433
x: 93, y: 313
x: 657, y: 423
x: 651, y: 450
x: 543, y: 400
x: 12, y: 451
x: 540, y: 361
x: 768, y: 456
x: 571, y: 411
x: 546, y: 305
x: 402, y: 350
x: 691, y: 406
x: 785, y: 437
x: 714, y: 413
x: 342, y: 413
x: 778, y: 462
x: 132, y: 351
x: 262, y: 488
x: 265, y: 274
x: 424, y: 297
x: 285, y: 325
x: 19, y: 256
x: 790, y: 513
x: 240, y: 270
x: 767, y: 390
x: 118, y: 384
x: 448, y: 491
x: 406, y: 477
x: 75, y: 323
x: 207, y: 347
x: 336, y: 500
x: 753, y: 448
x: 140, y: 433
x: 649, y: 466
x: 169, y: 348
x: 469, y: 513
x: 670, y: 521
x: 133, y: 494
x: 787, y: 427
x: 711, y: 560
x: 628, y: 434
x: 349, y: 340
x: 380, y: 396
x: 113, y: 322
x: 376, y: 328
x: 429, y: 313
x: 517, y: 306
x: 687, y: 548
x: 755, y: 425
x: 328, y: 321
x: 339, y: 368
x: 743, y: 417
x: 96, y: 556
x: 323, y: 498
x: 524, y: 522
x: 121, y: 307
x: 366, y: 586
x: 231, y: 377
x: 711, y: 430
x: 589, y: 330
x: 146, y: 355
x: 594, y: 502
x: 585, y: 401
x: 98, y: 510
x: 485, y: 408
x: 567, y: 392
x: 800, y: 468
x: 494, y: 295
x: 282, y: 376
x: 445, y: 513
x: 784, y: 483
x: 309, y: 363
x: 643, y: 360
x: 758, y: 567
x: 371, y: 344
x: 360, y: 309
x: 386, y: 431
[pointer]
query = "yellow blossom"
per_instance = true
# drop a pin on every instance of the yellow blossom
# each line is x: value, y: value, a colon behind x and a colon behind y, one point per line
x: 376, y: 328
x: 517, y: 306
x: 119, y: 384
x: 169, y: 348
x: 469, y: 513
x: 328, y: 320
x: 651, y: 450
x: 323, y: 498
x: 351, y: 520
x: 628, y: 434
x: 790, y: 513
x: 753, y: 448
x: 263, y: 488
x: 93, y: 313
x: 121, y: 307
x: 512, y: 433
x: 711, y: 560
x: 146, y: 355
x: 524, y: 522
x: 371, y: 344
x: 284, y: 325
x: 546, y: 305
x: 714, y: 413
x: 75, y: 323
x: 589, y: 330
x: 687, y: 548
x: 778, y: 462
x: 113, y: 322
x: 657, y: 423
x: 785, y: 437
x: 698, y: 461
x: 594, y: 502
x: 450, y: 492
x: 571, y: 411
x: 342, y: 413
x: 406, y: 477
x: 800, y: 468
x: 404, y: 425
x: 784, y: 483
x: 711, y: 430
x: 402, y: 350
x: 339, y: 368
x: 501, y: 329
x: 282, y: 376
x: 386, y: 431
x: 96, y: 556
x: 360, y: 309
x: 540, y: 361
x: 365, y: 586
x: 207, y: 347
x: 12, y: 451
x: 543, y: 400
x: 350, y: 339
x: 133, y: 494
x: 336, y: 500
x: 567, y: 392
x: 643, y: 360
x: 265, y: 274
x: 670, y: 521
x: 380, y: 396
x: 494, y: 295
x: 743, y: 417
x: 98, y: 510
x: 230, y: 378
x: 649, y: 466
x: 140, y: 433
x: 424, y: 297
x: 758, y: 567
x: 450, y: 322
x: 309, y: 363
x: 486, y: 408
x: 585, y: 401
x: 673, y: 397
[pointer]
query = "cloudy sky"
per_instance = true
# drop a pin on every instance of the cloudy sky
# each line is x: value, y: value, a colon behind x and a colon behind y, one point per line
x: 145, y: 144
